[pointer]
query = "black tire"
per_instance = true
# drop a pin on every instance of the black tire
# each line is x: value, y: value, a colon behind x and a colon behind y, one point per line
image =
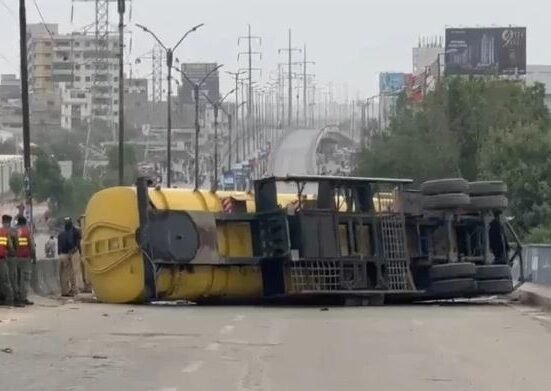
x: 444, y: 186
x: 487, y: 188
x: 446, y: 201
x: 495, y: 287
x: 453, y: 288
x: 490, y: 202
x: 452, y: 271
x: 493, y: 272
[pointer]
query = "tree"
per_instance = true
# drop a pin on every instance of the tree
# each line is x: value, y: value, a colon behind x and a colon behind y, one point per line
x: 47, y: 182
x: 17, y: 182
x: 477, y: 129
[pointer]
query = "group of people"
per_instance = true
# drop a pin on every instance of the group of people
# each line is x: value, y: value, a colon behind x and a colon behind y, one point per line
x: 17, y: 252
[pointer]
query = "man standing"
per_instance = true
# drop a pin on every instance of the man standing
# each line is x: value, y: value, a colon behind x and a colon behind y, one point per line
x: 24, y: 254
x: 68, y: 248
x: 6, y: 245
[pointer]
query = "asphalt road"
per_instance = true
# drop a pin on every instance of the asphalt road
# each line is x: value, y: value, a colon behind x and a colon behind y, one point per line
x: 483, y: 347
x: 294, y: 156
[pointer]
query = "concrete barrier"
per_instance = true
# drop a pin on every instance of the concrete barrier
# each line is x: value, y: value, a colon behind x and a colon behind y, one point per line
x: 45, y: 277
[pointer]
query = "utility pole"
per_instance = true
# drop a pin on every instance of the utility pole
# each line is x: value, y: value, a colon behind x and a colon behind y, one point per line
x: 121, y: 9
x: 290, y: 51
x: 236, y: 116
x: 169, y: 52
x: 25, y: 107
x: 305, y: 76
x: 250, y: 53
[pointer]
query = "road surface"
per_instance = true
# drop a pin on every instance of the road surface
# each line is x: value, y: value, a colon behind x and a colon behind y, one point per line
x: 294, y: 155
x: 477, y: 347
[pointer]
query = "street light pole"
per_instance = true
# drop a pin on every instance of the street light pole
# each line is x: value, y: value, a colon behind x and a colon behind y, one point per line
x: 25, y: 107
x: 122, y: 10
x: 196, y: 89
x: 169, y: 63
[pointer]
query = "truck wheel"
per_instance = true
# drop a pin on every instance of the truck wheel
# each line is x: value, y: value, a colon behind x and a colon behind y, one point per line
x: 444, y: 186
x: 493, y: 272
x: 446, y: 201
x: 446, y: 289
x: 452, y: 271
x: 495, y: 287
x: 489, y: 202
x: 487, y: 188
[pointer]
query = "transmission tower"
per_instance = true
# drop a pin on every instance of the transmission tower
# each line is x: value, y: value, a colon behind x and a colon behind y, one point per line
x: 157, y: 58
x: 102, y: 83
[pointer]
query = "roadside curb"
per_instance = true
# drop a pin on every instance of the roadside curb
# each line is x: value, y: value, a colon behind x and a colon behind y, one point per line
x: 534, y: 295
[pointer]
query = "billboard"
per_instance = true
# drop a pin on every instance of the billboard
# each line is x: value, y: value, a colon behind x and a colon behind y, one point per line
x: 196, y: 72
x: 391, y: 82
x: 486, y: 51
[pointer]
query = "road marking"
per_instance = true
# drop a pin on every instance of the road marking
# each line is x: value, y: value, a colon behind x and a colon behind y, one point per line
x: 193, y: 367
x: 213, y: 347
x: 227, y: 329
x: 238, y: 318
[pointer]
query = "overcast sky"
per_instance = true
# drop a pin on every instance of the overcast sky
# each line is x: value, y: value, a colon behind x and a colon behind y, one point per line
x: 350, y: 40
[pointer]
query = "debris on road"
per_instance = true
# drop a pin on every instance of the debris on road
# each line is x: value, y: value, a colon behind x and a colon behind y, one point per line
x: 7, y: 350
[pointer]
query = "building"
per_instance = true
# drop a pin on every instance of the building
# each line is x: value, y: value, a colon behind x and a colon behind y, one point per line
x: 68, y: 61
x: 76, y: 107
x: 10, y: 88
x: 540, y: 74
x: 428, y: 51
x: 40, y: 56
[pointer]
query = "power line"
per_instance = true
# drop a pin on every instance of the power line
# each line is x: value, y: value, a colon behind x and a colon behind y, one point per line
x: 42, y: 19
x: 6, y: 6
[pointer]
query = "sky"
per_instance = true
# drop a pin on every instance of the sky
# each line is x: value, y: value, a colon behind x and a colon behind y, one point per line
x: 351, y: 41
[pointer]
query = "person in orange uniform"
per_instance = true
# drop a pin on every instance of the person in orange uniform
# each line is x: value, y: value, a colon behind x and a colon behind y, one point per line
x: 24, y: 254
x: 6, y: 245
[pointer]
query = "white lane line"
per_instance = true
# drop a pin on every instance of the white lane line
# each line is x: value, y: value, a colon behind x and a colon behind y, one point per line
x: 213, y: 347
x: 193, y: 367
x: 227, y: 329
x: 238, y: 318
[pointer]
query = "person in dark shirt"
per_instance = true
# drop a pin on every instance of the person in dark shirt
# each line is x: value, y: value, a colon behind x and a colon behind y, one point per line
x: 68, y: 248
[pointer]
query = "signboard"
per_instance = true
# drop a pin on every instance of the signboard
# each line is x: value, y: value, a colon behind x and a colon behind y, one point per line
x: 196, y: 72
x: 486, y: 51
x: 391, y: 82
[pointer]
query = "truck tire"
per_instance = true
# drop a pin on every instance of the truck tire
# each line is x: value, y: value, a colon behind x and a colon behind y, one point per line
x: 486, y: 188
x: 446, y: 201
x: 495, y: 287
x: 444, y: 186
x: 493, y: 272
x: 446, y: 289
x: 489, y: 202
x: 452, y: 271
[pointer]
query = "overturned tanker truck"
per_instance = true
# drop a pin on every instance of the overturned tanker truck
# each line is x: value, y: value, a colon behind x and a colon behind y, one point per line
x: 360, y: 240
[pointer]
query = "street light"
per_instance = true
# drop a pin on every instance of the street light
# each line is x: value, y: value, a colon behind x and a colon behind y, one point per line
x: 196, y: 89
x: 169, y: 64
x: 216, y: 106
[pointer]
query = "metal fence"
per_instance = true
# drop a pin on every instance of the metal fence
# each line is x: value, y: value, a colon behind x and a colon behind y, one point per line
x: 537, y: 263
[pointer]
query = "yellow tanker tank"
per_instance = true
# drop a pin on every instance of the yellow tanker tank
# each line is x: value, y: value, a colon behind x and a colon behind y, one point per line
x: 114, y: 260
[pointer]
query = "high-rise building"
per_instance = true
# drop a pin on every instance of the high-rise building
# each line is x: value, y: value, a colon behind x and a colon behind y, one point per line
x: 68, y: 62
x: 40, y: 56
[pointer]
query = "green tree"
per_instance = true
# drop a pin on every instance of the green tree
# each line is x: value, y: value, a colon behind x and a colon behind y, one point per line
x: 17, y: 182
x: 47, y: 182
